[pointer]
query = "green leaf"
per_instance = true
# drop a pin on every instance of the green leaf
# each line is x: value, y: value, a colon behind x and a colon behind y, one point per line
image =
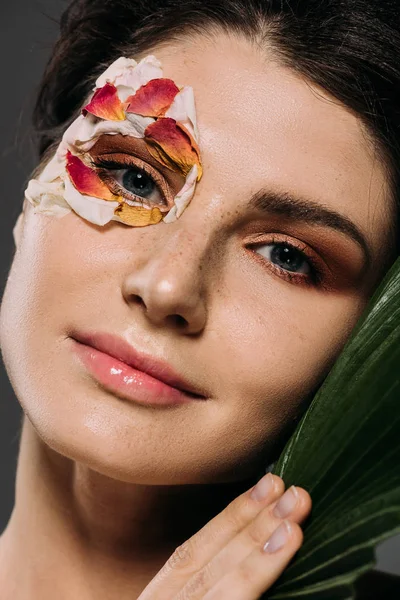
x: 346, y: 453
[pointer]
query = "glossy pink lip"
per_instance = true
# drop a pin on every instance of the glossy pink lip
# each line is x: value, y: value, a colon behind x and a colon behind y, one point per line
x: 117, y: 366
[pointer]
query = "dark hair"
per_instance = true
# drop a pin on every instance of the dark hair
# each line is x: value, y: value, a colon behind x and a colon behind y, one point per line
x: 351, y: 48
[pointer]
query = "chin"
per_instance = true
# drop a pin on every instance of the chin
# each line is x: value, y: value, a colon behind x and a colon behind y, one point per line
x: 126, y: 445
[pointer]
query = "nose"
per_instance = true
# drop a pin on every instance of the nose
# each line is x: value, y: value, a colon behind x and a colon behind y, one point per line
x: 168, y: 282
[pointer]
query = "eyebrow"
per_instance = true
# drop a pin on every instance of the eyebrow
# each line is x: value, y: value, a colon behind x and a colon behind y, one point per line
x: 309, y: 211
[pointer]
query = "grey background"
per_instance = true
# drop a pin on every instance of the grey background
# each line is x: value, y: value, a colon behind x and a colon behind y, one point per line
x: 27, y: 31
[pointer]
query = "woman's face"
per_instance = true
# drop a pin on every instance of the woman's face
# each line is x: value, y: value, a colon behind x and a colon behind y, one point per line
x: 217, y: 294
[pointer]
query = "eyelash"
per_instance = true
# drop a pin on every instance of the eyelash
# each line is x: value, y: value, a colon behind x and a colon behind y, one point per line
x: 314, y: 278
x: 104, y: 164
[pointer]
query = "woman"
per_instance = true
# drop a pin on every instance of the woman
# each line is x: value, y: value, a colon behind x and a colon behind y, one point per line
x: 236, y: 310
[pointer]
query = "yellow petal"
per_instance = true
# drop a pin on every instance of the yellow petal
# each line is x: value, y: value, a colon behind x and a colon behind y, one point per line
x: 137, y: 216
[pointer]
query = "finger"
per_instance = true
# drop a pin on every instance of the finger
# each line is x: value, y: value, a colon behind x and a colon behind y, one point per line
x: 259, y: 571
x: 295, y: 505
x: 198, y: 550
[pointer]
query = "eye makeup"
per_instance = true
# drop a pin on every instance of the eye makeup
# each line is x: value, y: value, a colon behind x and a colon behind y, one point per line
x: 108, y: 167
x: 334, y: 264
x: 287, y: 250
x: 134, y: 102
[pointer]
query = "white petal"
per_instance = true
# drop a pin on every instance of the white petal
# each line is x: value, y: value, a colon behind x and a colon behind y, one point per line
x: 54, y: 169
x: 61, y: 151
x: 36, y: 189
x: 183, y: 110
x: 116, y: 71
x: 148, y: 68
x: 127, y: 72
x: 139, y: 123
x: 91, y: 209
x: 82, y: 135
x: 52, y: 205
x: 47, y: 198
x: 183, y: 198
x: 81, y: 129
x: 124, y: 92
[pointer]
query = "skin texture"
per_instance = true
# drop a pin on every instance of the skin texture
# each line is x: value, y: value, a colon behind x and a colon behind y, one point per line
x: 198, y: 294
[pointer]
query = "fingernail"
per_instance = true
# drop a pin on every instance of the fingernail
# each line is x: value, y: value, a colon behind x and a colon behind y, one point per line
x: 263, y: 488
x: 287, y: 503
x: 279, y: 538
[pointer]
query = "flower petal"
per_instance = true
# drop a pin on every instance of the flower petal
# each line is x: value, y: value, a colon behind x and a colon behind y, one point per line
x: 183, y: 110
x: 183, y: 198
x: 54, y: 169
x: 127, y: 72
x: 173, y: 146
x: 116, y: 71
x: 154, y: 98
x: 91, y: 209
x: 137, y: 216
x: 138, y: 124
x: 86, y: 180
x: 50, y: 205
x: 47, y: 198
x: 84, y: 132
x: 106, y: 104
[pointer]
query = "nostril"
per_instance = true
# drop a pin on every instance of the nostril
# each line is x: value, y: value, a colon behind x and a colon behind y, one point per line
x: 137, y: 300
x: 178, y: 321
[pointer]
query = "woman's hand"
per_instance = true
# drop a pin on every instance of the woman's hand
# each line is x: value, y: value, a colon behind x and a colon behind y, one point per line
x: 240, y: 553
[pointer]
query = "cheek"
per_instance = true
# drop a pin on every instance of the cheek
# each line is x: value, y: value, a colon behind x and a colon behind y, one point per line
x: 46, y: 288
x: 276, y: 344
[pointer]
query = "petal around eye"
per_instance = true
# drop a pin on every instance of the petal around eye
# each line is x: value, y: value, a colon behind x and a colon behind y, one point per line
x: 47, y: 198
x: 148, y: 68
x: 128, y: 73
x: 116, y: 70
x: 84, y: 132
x: 183, y: 110
x: 137, y: 216
x: 86, y: 180
x: 106, y: 104
x: 173, y: 146
x: 183, y: 198
x: 54, y: 169
x: 154, y: 98
x: 94, y: 210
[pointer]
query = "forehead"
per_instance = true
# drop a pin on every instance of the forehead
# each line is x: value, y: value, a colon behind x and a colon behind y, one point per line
x: 263, y: 125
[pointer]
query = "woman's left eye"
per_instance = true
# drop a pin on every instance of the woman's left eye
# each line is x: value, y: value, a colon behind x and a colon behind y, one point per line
x: 286, y: 257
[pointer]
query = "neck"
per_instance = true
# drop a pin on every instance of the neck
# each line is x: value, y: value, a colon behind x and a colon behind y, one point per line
x: 85, y: 535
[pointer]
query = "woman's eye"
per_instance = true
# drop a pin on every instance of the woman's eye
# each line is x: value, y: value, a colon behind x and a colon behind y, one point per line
x: 138, y: 183
x: 286, y: 257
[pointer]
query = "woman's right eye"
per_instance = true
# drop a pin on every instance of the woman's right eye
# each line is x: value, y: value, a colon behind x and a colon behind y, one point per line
x: 138, y: 183
x: 133, y: 182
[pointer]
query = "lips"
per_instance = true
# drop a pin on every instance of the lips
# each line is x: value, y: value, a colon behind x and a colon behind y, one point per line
x: 117, y: 348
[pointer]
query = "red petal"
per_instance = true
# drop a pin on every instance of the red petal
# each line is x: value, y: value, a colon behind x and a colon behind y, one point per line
x: 173, y: 146
x: 106, y: 104
x: 86, y: 179
x: 154, y: 98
